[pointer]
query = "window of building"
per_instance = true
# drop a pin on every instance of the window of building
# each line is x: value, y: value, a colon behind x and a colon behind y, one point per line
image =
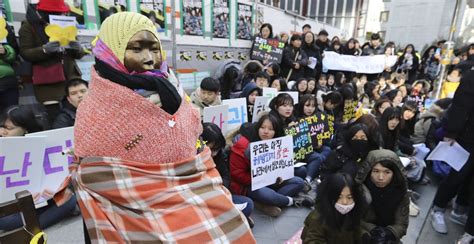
x: 384, y: 16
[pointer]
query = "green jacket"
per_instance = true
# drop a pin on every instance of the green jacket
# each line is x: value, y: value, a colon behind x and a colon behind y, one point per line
x: 400, y: 226
x: 7, y: 74
x: 316, y: 233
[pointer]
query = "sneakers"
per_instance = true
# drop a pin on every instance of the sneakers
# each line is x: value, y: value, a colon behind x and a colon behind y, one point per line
x: 303, y: 201
x: 307, y: 187
x: 465, y: 239
x: 414, y: 209
x: 438, y: 223
x: 458, y: 218
x: 269, y: 210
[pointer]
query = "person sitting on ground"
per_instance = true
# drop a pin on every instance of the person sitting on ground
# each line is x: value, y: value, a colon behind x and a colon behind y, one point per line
x: 262, y: 79
x: 279, y: 84
x: 206, y: 95
x: 18, y: 121
x: 76, y: 90
x: 212, y: 135
x: 250, y: 93
x: 250, y: 69
x: 269, y: 199
x: 386, y: 220
x: 337, y: 214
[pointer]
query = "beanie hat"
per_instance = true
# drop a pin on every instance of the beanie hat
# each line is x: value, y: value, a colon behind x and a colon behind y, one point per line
x: 53, y: 6
x: 119, y: 28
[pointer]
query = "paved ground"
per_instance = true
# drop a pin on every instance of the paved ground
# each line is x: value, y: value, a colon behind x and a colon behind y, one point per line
x: 269, y: 230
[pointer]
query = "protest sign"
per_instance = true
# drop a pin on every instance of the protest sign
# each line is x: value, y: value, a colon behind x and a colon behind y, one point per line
x: 269, y: 92
x: 270, y: 159
x: 360, y: 64
x: 267, y: 49
x: 293, y: 95
x: 55, y: 162
x: 61, y: 29
x: 350, y: 110
x: 419, y: 100
x: 259, y: 106
x: 217, y: 115
x: 302, y: 143
x: 244, y: 21
x: 155, y: 11
x: 192, y: 17
x: 237, y: 113
x: 321, y: 128
x: 21, y: 161
x: 221, y: 18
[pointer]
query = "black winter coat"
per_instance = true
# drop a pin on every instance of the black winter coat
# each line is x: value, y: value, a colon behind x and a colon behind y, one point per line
x: 288, y: 63
x: 66, y: 117
x: 315, y: 52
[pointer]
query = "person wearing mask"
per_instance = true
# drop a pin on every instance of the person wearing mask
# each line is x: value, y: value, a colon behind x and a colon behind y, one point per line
x: 338, y: 211
x: 323, y: 42
x: 269, y: 199
x: 152, y: 140
x: 76, y: 91
x: 18, y: 121
x: 52, y: 64
x: 408, y: 63
x: 386, y: 220
x: 214, y: 139
x: 459, y: 127
x: 314, y: 55
x: 374, y: 47
x: 348, y: 156
x: 294, y: 59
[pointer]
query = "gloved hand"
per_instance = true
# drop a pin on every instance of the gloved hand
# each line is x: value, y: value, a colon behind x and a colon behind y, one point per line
x: 51, y: 47
x: 381, y: 235
x: 75, y: 46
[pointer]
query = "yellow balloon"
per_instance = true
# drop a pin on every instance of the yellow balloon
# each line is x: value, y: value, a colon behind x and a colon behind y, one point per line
x: 3, y: 28
x: 63, y: 35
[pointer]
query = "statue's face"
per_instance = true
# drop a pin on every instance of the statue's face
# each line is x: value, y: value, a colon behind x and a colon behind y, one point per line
x: 143, y: 52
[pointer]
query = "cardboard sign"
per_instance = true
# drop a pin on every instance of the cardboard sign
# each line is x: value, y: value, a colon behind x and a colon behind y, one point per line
x: 271, y: 159
x: 55, y: 162
x: 237, y: 113
x: 217, y: 115
x: 21, y: 164
x: 302, y: 142
x: 259, y: 106
x: 267, y: 49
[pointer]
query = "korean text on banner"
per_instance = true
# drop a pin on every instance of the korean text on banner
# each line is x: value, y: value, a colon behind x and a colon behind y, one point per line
x: 271, y: 159
x: 21, y: 160
x: 270, y: 50
x: 55, y: 162
x: 237, y: 113
x: 217, y: 115
x: 302, y: 143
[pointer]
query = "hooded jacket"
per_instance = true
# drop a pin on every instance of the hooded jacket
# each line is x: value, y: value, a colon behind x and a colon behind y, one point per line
x: 400, y: 225
x: 239, y: 161
x: 423, y: 125
x: 198, y: 103
x: 248, y: 89
x: 7, y: 74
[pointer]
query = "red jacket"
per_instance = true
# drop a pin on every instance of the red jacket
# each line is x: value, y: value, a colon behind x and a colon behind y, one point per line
x: 240, y: 167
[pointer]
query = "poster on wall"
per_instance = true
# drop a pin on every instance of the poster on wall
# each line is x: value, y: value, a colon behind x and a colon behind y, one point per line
x: 192, y: 17
x: 76, y: 9
x: 155, y: 10
x: 3, y: 9
x: 244, y: 21
x: 109, y: 7
x: 221, y: 18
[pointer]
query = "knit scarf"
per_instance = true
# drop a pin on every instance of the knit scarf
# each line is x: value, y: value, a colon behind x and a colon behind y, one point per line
x: 109, y: 67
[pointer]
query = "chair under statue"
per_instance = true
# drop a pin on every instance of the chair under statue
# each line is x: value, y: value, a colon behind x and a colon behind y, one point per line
x: 31, y: 230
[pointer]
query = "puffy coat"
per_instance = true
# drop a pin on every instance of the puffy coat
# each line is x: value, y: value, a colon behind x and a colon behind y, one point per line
x: 7, y: 74
x: 288, y: 63
x: 241, y: 179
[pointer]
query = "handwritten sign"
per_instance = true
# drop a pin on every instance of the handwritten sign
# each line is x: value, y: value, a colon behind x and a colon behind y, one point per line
x: 237, y: 113
x: 259, y: 106
x: 267, y: 49
x: 271, y: 92
x: 270, y: 159
x: 350, y: 110
x: 21, y: 161
x: 55, y: 162
x: 302, y: 142
x: 321, y: 128
x: 420, y: 101
x: 217, y: 115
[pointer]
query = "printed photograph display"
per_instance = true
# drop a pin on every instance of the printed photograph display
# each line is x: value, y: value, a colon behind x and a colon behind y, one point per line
x: 155, y: 10
x: 192, y: 17
x: 244, y: 21
x: 221, y: 18
x: 109, y: 7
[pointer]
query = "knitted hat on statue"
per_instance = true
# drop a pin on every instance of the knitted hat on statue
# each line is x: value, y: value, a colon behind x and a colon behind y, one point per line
x: 118, y: 28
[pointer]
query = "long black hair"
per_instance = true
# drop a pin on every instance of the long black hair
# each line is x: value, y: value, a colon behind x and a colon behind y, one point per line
x: 299, y: 110
x: 211, y: 133
x: 390, y: 137
x: 22, y: 116
x: 328, y: 193
x: 269, y: 26
x: 277, y: 127
x: 280, y: 100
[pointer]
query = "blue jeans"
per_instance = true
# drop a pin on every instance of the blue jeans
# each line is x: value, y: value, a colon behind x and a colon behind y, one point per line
x: 315, y: 160
x: 47, y: 216
x: 301, y: 171
x: 238, y: 199
x: 278, y: 195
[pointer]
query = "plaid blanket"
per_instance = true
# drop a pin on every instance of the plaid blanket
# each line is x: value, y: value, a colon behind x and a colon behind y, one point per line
x: 183, y: 202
